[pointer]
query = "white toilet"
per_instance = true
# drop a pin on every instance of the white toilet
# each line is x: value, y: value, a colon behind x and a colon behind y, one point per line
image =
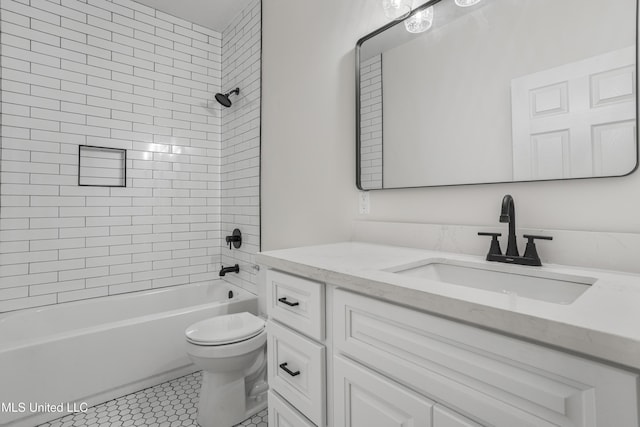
x: 231, y: 351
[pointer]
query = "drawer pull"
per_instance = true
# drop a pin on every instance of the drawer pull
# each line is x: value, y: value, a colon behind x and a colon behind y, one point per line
x: 289, y: 303
x: 283, y: 366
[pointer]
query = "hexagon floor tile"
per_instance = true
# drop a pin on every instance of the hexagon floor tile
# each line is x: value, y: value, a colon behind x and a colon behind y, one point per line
x: 171, y: 404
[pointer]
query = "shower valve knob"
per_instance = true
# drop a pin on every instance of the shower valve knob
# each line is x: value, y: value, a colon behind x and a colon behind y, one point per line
x: 235, y: 239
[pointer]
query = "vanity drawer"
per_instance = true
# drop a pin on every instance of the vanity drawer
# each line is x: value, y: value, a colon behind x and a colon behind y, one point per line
x: 296, y: 302
x: 296, y: 367
x: 281, y: 414
x: 497, y: 380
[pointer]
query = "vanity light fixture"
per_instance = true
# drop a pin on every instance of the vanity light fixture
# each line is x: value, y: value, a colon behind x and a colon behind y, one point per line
x: 397, y: 9
x: 420, y: 21
x: 466, y: 3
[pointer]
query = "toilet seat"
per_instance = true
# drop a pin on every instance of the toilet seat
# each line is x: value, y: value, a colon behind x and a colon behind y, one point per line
x: 224, y: 330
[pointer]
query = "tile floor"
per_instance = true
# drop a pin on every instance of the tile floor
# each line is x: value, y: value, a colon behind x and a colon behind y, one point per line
x: 171, y: 404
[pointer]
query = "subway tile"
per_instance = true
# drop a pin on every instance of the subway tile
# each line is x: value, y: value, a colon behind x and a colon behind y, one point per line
x: 35, y: 223
x: 71, y: 232
x: 32, y: 12
x: 15, y: 18
x: 85, y: 69
x: 50, y: 288
x: 108, y: 260
x: 12, y: 247
x: 29, y: 302
x: 130, y: 268
x: 86, y: 49
x: 57, y: 9
x: 152, y: 39
x: 173, y: 19
x: 130, y: 249
x: 143, y: 88
x: 48, y: 266
x: 111, y: 26
x: 170, y: 281
x: 129, y: 287
x: 83, y: 273
x: 127, y: 58
x: 145, y: 17
x: 83, y: 252
x: 11, y: 293
x: 14, y: 269
x: 127, y: 21
x: 85, y: 29
x: 108, y: 241
x: 14, y: 224
x: 112, y: 279
x: 112, y: 7
x: 33, y: 101
x: 27, y: 257
x: 82, y: 294
x: 20, y: 234
x: 108, y: 221
x: 27, y: 34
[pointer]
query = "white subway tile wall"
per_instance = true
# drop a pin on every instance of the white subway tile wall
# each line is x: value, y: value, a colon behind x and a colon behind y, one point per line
x: 241, y: 50
x: 122, y: 75
x: 371, y: 123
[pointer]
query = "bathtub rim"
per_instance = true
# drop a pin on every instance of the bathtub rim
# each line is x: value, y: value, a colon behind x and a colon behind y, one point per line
x: 240, y: 294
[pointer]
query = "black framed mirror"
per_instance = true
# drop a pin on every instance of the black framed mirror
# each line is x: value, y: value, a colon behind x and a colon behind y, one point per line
x: 498, y: 91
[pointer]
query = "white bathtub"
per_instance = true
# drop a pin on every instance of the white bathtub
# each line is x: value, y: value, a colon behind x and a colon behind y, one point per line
x: 88, y: 352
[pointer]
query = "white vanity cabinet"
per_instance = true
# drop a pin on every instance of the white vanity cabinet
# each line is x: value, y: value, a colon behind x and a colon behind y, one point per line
x: 366, y: 362
x: 490, y: 378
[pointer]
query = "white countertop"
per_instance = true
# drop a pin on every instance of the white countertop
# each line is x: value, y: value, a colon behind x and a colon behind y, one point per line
x: 603, y: 323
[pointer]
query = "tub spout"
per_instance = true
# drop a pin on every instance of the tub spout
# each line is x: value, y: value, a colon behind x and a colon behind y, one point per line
x: 224, y: 270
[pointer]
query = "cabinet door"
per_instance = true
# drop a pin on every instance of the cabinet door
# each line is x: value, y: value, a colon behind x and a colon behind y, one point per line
x: 443, y: 417
x: 296, y: 367
x: 281, y: 414
x: 363, y: 398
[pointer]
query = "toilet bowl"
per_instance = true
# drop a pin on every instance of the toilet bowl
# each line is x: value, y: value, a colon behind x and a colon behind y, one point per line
x: 231, y: 351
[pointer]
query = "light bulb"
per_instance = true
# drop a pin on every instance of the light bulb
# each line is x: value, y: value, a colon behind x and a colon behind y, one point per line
x: 466, y: 3
x: 397, y: 9
x: 419, y: 22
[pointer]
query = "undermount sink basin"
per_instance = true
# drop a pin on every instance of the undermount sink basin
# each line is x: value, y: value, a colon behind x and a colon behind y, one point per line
x: 519, y: 281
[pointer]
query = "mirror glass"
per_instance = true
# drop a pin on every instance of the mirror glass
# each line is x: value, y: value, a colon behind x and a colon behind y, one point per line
x: 499, y: 91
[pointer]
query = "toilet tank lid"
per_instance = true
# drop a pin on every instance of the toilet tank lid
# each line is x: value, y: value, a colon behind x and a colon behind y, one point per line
x: 225, y: 329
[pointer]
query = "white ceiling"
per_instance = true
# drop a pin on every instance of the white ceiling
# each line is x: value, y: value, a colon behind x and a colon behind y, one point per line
x: 214, y: 14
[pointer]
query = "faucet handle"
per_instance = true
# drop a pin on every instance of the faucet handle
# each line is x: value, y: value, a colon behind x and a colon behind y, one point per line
x: 533, y: 236
x: 530, y: 251
x: 494, y: 249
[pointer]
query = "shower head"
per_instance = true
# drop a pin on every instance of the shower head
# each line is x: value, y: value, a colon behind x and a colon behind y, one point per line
x: 224, y: 100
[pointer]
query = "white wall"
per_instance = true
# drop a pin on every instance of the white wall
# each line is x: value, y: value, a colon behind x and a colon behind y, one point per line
x: 309, y: 194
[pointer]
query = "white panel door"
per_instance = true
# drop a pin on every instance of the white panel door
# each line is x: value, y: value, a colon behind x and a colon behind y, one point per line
x: 576, y: 120
x: 363, y: 398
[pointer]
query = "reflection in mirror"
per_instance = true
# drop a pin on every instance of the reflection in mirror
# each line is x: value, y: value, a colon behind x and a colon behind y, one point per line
x: 501, y: 91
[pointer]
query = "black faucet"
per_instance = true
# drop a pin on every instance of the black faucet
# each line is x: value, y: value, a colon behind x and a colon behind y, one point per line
x: 512, y: 256
x: 508, y: 214
x: 224, y: 270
